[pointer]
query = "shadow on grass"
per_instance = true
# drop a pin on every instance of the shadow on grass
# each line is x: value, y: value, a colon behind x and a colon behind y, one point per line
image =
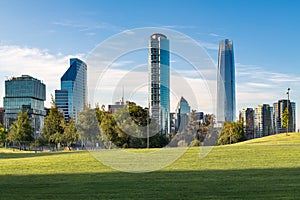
x: 211, y: 184
x: 29, y: 154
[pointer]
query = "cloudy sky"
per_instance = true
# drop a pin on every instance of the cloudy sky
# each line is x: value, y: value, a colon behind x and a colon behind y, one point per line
x: 38, y: 38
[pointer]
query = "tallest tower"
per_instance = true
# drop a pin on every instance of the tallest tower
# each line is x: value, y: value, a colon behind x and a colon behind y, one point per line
x: 226, y: 105
x: 159, y: 67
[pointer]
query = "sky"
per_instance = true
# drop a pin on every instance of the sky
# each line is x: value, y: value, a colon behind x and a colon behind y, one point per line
x: 39, y: 37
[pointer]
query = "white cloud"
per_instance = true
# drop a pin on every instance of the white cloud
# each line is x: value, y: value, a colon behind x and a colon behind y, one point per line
x: 259, y: 85
x: 178, y: 27
x: 84, y: 27
x: 214, y: 35
x: 210, y: 46
x: 16, y: 61
x: 255, y: 85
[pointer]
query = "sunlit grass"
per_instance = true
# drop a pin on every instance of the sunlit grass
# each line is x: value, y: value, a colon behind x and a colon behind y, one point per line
x: 265, y: 168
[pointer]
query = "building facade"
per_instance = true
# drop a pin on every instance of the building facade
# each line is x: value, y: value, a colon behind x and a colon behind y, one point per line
x: 159, y: 86
x: 112, y: 109
x: 27, y: 94
x: 279, y: 108
x: 247, y: 117
x: 72, y: 97
x: 183, y: 111
x: 263, y: 121
x: 226, y: 101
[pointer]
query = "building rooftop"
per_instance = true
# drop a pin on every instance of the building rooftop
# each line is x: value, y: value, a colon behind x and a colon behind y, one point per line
x: 23, y: 78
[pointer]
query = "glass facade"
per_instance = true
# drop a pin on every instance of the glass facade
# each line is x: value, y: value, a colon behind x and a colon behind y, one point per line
x: 159, y: 88
x: 73, y: 94
x: 28, y: 94
x: 263, y: 120
x: 226, y: 105
x: 183, y: 110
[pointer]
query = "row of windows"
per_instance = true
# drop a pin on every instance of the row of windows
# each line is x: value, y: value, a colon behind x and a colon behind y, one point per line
x: 17, y: 103
x: 25, y: 88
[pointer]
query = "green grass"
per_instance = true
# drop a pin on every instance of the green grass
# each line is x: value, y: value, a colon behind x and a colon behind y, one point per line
x: 265, y: 168
x: 278, y: 139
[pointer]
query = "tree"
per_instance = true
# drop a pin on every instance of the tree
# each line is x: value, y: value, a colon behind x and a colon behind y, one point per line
x: 285, y: 118
x: 21, y: 130
x: 3, y: 134
x: 87, y: 125
x: 70, y: 134
x: 232, y: 132
x: 53, y: 125
x: 192, y: 129
x: 128, y: 128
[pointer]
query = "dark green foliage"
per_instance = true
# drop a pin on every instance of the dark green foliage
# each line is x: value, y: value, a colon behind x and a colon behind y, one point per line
x: 53, y: 126
x: 70, y: 135
x: 232, y: 132
x: 21, y: 130
x: 3, y: 134
x: 127, y: 128
x: 87, y: 125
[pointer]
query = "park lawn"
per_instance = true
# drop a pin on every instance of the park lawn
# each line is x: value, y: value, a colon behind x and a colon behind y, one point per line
x: 264, y: 169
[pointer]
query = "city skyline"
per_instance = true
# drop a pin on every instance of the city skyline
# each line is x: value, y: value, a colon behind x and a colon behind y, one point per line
x: 266, y: 61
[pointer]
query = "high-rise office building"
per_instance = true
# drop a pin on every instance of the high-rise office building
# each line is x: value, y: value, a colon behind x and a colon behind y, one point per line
x: 27, y: 94
x: 247, y: 117
x: 159, y: 91
x: 279, y: 108
x: 72, y: 96
x: 263, y: 120
x: 182, y: 114
x: 226, y: 105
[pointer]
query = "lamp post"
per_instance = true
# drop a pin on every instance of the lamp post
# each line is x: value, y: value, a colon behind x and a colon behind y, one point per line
x: 287, y: 104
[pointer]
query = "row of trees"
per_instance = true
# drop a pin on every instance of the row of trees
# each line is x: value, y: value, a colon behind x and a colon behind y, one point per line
x: 129, y: 127
x: 55, y: 131
x: 20, y: 131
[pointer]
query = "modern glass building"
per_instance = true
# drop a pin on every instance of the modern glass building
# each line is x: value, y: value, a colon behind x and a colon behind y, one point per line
x: 159, y: 86
x: 279, y: 108
x: 182, y: 111
x: 72, y: 96
x: 263, y: 121
x: 226, y: 104
x: 27, y: 94
x: 247, y: 117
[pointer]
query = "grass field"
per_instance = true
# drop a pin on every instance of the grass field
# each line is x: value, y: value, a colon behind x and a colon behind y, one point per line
x: 265, y: 168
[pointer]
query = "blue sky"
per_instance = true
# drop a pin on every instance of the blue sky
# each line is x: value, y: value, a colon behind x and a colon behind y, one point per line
x: 39, y: 36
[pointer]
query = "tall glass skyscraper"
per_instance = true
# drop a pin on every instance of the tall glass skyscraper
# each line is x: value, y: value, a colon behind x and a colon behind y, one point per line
x: 159, y: 88
x: 72, y: 96
x: 226, y: 105
x: 27, y: 94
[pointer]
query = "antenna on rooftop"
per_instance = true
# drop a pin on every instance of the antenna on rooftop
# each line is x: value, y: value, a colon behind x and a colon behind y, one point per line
x: 122, y: 100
